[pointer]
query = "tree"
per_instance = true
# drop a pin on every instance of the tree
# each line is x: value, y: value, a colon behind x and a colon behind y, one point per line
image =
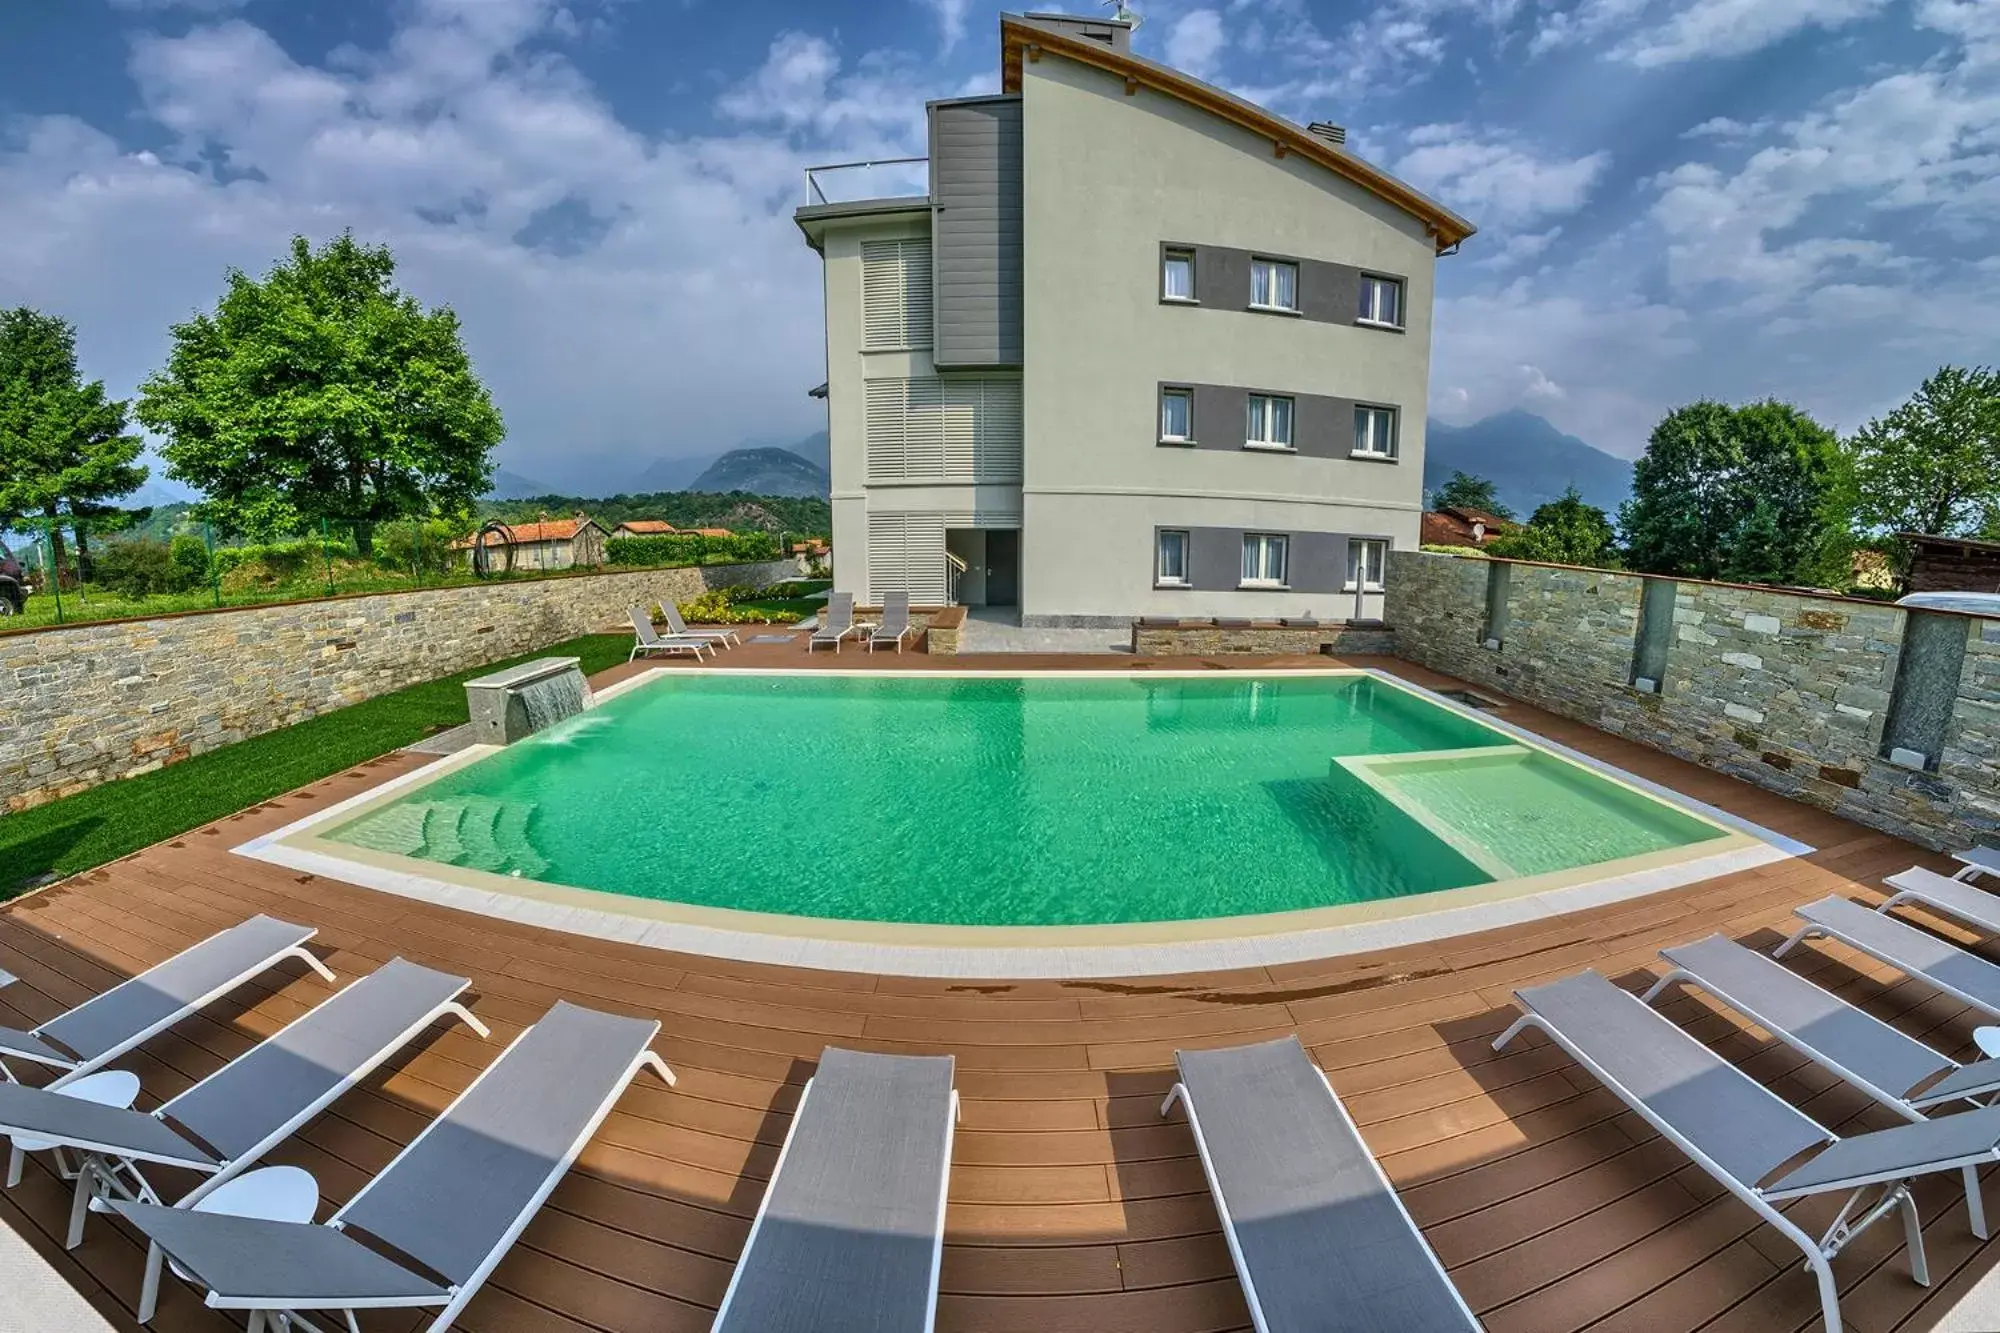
x: 1758, y: 493
x: 64, y: 452
x: 1462, y: 490
x: 1564, y: 531
x: 323, y: 393
x: 1933, y: 464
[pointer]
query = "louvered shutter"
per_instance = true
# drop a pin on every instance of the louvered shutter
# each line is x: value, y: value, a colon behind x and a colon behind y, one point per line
x: 906, y: 551
x: 896, y: 294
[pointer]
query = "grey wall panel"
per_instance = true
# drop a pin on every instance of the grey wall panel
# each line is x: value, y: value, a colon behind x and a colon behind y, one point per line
x: 1316, y: 561
x: 976, y: 231
x: 1322, y: 427
x: 1328, y: 293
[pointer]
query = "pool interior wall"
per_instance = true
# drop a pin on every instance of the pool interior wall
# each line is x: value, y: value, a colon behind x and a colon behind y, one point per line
x: 1008, y: 800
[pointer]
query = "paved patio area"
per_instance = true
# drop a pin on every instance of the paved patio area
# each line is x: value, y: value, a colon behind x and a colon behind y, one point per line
x: 1072, y: 1205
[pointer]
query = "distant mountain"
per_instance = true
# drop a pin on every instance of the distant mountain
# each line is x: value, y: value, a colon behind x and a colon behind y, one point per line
x: 670, y: 474
x: 513, y: 486
x: 816, y: 448
x: 763, y: 472
x: 1529, y: 460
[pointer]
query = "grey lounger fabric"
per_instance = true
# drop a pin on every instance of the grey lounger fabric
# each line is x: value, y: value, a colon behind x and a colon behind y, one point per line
x: 895, y: 626
x: 103, y: 1028
x: 1953, y: 897
x: 1878, y: 1059
x: 850, y: 1232
x: 646, y: 639
x: 454, y: 1200
x: 836, y: 624
x: 1978, y: 860
x: 230, y: 1119
x: 1741, y: 1133
x: 1902, y: 946
x: 1321, y: 1240
x: 678, y: 627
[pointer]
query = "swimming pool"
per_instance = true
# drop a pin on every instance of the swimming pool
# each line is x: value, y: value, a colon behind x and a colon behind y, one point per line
x: 1036, y: 800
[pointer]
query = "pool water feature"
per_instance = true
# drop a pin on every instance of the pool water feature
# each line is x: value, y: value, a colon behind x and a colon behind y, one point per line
x: 1018, y: 800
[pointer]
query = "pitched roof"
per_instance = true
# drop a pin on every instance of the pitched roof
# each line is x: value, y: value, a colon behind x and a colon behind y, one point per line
x: 647, y: 527
x: 1022, y: 37
x: 554, y: 530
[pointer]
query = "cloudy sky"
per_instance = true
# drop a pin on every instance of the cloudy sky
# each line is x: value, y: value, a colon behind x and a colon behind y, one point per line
x: 1677, y: 198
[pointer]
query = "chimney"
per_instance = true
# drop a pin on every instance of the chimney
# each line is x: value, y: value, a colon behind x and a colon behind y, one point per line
x: 1328, y: 132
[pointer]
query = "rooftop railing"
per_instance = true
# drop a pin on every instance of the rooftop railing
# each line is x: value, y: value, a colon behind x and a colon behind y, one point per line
x: 878, y: 178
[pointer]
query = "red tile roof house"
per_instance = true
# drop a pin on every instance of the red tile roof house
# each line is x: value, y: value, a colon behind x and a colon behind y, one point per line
x: 1453, y: 526
x: 644, y: 527
x: 561, y: 543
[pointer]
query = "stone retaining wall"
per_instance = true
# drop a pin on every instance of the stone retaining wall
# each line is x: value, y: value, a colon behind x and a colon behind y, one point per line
x: 941, y: 636
x: 84, y: 704
x: 1208, y: 638
x: 1789, y: 691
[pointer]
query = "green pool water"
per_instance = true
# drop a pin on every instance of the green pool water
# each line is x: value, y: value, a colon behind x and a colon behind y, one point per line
x: 1050, y: 800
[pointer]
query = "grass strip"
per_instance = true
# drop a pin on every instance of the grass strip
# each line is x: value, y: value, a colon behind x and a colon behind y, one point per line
x: 78, y: 832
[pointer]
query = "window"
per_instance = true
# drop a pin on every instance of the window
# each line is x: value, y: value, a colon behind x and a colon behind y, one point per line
x: 1170, y: 568
x: 1177, y: 276
x: 1270, y: 423
x: 1365, y: 557
x: 1274, y: 285
x: 1264, y: 560
x: 1176, y: 416
x: 1381, y: 301
x: 895, y: 294
x: 1374, y: 432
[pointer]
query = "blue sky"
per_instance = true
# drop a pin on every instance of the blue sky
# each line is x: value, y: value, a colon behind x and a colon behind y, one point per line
x: 1677, y: 198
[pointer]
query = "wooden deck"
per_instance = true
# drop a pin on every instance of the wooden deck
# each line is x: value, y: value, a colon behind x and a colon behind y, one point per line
x: 1073, y: 1205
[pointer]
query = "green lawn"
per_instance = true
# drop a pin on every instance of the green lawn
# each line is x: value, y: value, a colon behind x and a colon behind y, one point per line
x: 802, y: 606
x: 107, y: 822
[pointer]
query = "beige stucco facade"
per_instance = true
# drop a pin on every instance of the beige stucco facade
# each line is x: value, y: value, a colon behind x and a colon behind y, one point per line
x: 1113, y: 169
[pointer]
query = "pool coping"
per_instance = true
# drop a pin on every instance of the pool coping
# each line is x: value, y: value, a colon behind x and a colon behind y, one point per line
x: 1118, y: 949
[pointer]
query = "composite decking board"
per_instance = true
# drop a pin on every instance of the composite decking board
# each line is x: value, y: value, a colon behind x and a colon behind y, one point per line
x: 1065, y: 1165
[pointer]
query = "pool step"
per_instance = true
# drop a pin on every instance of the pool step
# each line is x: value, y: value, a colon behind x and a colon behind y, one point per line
x: 473, y: 831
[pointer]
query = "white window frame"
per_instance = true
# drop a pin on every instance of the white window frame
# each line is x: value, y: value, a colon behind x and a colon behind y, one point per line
x: 1364, y: 439
x: 1264, y: 276
x: 1186, y: 395
x: 1359, y: 550
x: 1373, y: 285
x: 1178, y: 254
x: 1162, y: 579
x: 1262, y: 434
x: 1262, y: 571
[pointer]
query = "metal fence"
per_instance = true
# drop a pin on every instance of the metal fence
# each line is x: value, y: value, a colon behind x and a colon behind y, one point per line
x: 194, y: 568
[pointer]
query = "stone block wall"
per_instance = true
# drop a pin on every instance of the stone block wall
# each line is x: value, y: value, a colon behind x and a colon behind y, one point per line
x: 1207, y: 638
x: 1787, y: 691
x: 85, y: 704
x: 942, y: 635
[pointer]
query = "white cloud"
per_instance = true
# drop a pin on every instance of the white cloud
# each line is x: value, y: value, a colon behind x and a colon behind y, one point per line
x: 1583, y: 23
x: 1726, y: 129
x: 1495, y: 180
x: 1716, y: 28
x: 1195, y: 40
x: 678, y: 315
x: 951, y: 16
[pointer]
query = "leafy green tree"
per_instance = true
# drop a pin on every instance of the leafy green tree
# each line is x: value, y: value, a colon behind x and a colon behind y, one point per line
x: 1462, y: 490
x: 1933, y: 464
x: 1760, y: 493
x: 64, y: 452
x: 1564, y: 531
x: 323, y: 393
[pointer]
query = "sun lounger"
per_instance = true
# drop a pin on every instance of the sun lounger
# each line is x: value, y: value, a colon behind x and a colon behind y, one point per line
x: 1319, y: 1237
x: 895, y: 626
x: 224, y: 1124
x: 101, y: 1029
x: 647, y: 640
x: 1976, y: 861
x: 453, y: 1201
x: 1953, y: 897
x: 1741, y: 1133
x: 1963, y: 975
x: 836, y: 623
x: 851, y: 1231
x: 1894, y: 1068
x: 679, y: 630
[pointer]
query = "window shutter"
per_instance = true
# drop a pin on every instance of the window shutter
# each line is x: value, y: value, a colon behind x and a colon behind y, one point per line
x: 963, y: 429
x: 896, y: 294
x: 906, y: 551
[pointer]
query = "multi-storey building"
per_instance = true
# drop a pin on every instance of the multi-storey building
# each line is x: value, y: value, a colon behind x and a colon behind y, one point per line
x: 1143, y: 348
